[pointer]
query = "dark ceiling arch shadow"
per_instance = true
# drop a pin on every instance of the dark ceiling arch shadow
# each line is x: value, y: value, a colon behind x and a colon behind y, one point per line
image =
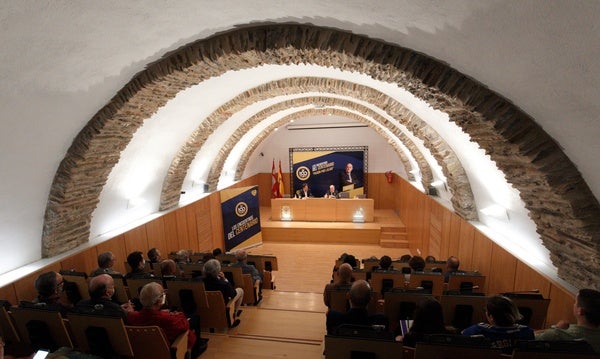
x: 462, y: 199
x: 566, y: 213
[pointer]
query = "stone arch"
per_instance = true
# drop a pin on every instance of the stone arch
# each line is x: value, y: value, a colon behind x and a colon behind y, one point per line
x: 566, y: 213
x: 462, y: 196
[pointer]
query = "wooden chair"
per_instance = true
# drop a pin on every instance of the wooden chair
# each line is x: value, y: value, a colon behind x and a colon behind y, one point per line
x: 462, y: 311
x: 80, y: 279
x: 238, y: 279
x: 226, y: 258
x: 533, y: 308
x: 150, y: 342
x: 135, y: 285
x: 432, y: 282
x: 180, y: 289
x: 369, y: 264
x: 217, y: 316
x: 41, y: 329
x: 8, y: 331
x: 193, y: 270
x: 401, y: 304
x: 361, y: 274
x: 466, y: 283
x: 99, y: 334
x: 440, y: 351
x: 337, y: 347
x: 121, y: 292
x: 540, y: 349
x: 383, y: 281
x: 266, y: 265
x: 339, y: 299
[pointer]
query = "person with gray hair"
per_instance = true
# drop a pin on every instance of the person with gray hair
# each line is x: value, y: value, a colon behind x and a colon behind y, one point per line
x: 343, y: 280
x: 242, y: 261
x: 153, y: 298
x: 214, y: 279
x: 106, y: 261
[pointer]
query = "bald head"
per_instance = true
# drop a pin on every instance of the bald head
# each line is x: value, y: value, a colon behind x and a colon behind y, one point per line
x: 452, y: 263
x: 102, y: 286
x: 345, y: 272
x: 360, y: 294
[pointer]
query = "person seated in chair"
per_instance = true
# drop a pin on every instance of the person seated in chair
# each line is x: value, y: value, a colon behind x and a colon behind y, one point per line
x: 242, y: 261
x: 106, y: 261
x: 49, y: 286
x: 342, y: 279
x: 502, y: 329
x: 138, y: 264
x: 332, y: 192
x: 359, y: 296
x: 303, y: 192
x: 586, y: 310
x: 452, y: 265
x: 215, y: 280
x: 154, y: 256
x: 173, y: 324
x: 101, y: 289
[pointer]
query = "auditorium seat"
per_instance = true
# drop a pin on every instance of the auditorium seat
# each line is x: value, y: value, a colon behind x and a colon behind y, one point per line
x: 540, y: 349
x: 41, y: 329
x: 217, y: 316
x: 104, y: 336
x: 188, y: 296
x: 150, y: 342
x: 401, y: 304
x: 462, y: 311
x: 431, y: 282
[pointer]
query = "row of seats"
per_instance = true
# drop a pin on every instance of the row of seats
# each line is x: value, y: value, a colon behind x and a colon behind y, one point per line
x: 447, y: 347
x: 98, y: 335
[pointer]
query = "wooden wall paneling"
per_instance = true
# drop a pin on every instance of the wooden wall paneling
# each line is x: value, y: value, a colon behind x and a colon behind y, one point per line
x: 216, y: 223
x: 438, y: 243
x: 204, y: 227
x: 181, y: 239
x: 155, y: 231
x: 482, y: 256
x: 465, y: 245
x: 9, y: 293
x: 190, y: 214
x: 425, y: 218
x: 136, y: 240
x: 24, y: 288
x: 503, y: 270
x: 453, y: 232
x: 117, y: 246
x: 171, y: 232
x: 84, y: 261
x: 263, y: 181
x: 528, y: 279
x: 561, y: 306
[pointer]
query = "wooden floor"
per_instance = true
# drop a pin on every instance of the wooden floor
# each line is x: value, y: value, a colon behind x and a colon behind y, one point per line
x: 290, y: 321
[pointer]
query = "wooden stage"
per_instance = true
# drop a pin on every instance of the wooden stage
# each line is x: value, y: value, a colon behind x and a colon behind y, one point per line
x: 386, y: 230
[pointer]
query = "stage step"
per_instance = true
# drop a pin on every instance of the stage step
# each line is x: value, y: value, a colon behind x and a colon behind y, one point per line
x: 393, y: 237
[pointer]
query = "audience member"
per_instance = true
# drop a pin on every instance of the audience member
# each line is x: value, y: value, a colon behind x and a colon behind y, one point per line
x: 106, y: 261
x: 101, y: 289
x: 242, y: 261
x: 502, y: 328
x: 430, y: 259
x: 182, y: 256
x: 343, y: 279
x: 173, y: 324
x: 137, y: 263
x: 405, y: 258
x: 168, y: 269
x: 586, y: 310
x: 49, y: 286
x: 216, y: 252
x: 214, y: 279
x: 417, y: 264
x: 452, y: 265
x: 359, y: 296
x: 350, y: 259
x: 428, y: 319
x: 385, y: 263
x: 154, y: 256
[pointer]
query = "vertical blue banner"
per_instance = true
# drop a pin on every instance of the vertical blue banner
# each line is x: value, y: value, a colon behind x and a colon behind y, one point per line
x: 241, y: 217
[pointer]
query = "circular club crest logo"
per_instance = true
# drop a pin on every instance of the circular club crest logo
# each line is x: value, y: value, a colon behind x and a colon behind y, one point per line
x: 303, y: 173
x: 241, y: 209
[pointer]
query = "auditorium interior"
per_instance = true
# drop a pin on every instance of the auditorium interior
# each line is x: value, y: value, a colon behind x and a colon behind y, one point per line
x: 123, y: 124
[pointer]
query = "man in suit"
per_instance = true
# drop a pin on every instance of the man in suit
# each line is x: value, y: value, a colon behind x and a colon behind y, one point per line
x: 347, y: 177
x: 101, y: 289
x: 106, y: 261
x: 332, y: 193
x: 304, y: 192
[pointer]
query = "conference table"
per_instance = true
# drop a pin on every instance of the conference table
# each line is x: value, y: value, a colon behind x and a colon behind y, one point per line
x: 322, y: 209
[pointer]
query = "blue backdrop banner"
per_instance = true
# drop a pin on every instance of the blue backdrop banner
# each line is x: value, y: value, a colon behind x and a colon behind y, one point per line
x: 241, y: 217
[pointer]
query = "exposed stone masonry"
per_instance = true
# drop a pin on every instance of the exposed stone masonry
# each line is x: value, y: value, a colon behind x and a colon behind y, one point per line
x: 565, y: 211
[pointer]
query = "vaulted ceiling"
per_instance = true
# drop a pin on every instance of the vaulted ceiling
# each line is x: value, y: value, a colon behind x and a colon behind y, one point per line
x: 208, y: 103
